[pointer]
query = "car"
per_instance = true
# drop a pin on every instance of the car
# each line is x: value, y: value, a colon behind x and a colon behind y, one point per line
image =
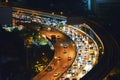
x: 65, y: 52
x: 65, y: 45
x: 58, y: 37
x: 69, y: 71
x: 59, y: 58
x: 56, y: 74
x: 64, y: 66
x: 69, y: 58
x: 49, y: 68
x: 73, y: 74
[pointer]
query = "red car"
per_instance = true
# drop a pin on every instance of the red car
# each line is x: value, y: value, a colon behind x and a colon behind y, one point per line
x: 69, y: 58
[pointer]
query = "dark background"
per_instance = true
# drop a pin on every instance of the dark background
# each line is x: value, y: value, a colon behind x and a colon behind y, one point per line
x: 5, y: 15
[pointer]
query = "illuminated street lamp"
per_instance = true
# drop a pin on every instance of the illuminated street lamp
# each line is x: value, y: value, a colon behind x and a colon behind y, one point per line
x: 61, y: 13
x: 53, y: 13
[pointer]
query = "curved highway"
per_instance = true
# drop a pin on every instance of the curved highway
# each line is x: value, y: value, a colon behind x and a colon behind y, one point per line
x: 110, y: 57
x: 60, y: 62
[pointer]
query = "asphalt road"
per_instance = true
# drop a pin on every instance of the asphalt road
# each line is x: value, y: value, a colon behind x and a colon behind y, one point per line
x: 60, y: 61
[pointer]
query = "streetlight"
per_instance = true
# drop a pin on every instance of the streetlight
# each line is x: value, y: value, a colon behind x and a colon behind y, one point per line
x: 53, y: 13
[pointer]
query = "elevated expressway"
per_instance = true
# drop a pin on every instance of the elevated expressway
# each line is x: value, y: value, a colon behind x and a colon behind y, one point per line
x: 111, y: 53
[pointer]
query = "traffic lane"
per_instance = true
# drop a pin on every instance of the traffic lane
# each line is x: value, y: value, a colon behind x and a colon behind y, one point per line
x: 62, y: 65
x: 61, y: 51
